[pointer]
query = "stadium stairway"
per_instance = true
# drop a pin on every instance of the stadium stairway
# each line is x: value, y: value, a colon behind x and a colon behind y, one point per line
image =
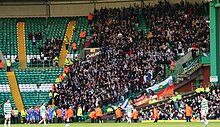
x: 21, y: 45
x: 15, y: 90
x: 63, y: 52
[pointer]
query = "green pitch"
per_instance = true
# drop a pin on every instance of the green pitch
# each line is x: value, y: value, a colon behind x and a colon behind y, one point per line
x: 122, y: 125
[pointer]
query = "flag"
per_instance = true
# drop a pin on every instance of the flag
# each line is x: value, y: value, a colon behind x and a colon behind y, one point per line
x: 141, y: 100
x: 163, y: 89
x: 124, y: 104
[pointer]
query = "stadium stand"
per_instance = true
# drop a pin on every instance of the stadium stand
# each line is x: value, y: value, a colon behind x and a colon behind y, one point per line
x: 130, y: 62
x: 81, y: 25
x: 32, y: 26
x: 35, y: 85
x: 137, y: 46
x: 42, y: 35
x: 8, y: 38
x: 115, y: 67
x: 178, y: 24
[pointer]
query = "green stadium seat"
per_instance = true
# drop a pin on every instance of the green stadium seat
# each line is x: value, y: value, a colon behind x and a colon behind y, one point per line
x: 35, y: 84
x: 81, y: 25
x: 51, y: 27
x: 8, y: 37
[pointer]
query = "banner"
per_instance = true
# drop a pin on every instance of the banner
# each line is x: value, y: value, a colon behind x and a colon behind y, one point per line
x: 189, y: 65
x: 167, y: 92
x: 163, y: 89
x: 141, y: 100
x: 89, y: 53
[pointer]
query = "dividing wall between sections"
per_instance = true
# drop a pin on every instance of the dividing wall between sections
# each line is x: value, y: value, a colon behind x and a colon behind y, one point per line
x: 10, y: 11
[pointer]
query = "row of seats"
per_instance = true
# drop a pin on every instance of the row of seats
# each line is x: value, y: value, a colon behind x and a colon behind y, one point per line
x: 49, y: 28
x: 3, y: 77
x: 34, y: 25
x: 32, y: 94
x: 34, y: 87
x: 35, y: 84
x: 6, y: 95
x: 37, y: 76
x: 34, y: 98
x: 52, y: 27
x: 56, y: 27
x: 8, y: 36
x: 81, y: 25
x: 4, y: 88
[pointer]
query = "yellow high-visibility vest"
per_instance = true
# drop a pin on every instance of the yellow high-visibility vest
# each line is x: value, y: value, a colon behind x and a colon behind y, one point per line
x: 15, y: 112
x: 79, y: 111
x: 23, y: 113
x: 8, y: 63
x: 207, y: 89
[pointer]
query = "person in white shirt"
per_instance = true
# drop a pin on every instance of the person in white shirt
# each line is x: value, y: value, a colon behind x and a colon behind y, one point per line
x: 43, y: 112
x: 129, y: 110
x: 7, y: 112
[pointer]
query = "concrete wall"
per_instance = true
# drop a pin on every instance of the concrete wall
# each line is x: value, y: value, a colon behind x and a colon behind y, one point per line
x: 60, y: 9
x: 71, y: 10
x: 206, y: 76
x: 23, y: 11
x: 187, y: 87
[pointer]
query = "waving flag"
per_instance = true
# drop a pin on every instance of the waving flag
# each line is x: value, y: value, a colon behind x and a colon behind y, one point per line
x: 163, y: 89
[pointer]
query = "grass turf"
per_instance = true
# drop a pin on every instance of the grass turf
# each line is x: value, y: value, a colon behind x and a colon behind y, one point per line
x: 200, y: 124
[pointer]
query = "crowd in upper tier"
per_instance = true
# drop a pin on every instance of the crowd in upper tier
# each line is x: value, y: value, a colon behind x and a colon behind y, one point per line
x: 130, y: 62
x: 180, y: 26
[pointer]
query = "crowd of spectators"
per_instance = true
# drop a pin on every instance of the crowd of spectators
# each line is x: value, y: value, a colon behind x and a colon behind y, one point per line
x: 129, y: 62
x: 48, y: 51
x: 171, y: 111
x: 179, y: 27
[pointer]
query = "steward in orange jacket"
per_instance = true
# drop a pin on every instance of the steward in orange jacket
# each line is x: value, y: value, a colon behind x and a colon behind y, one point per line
x: 90, y: 18
x: 156, y: 115
x: 82, y: 34
x: 99, y: 114
x: 70, y: 114
x: 118, y: 115
x: 74, y: 47
x: 135, y: 115
x: 92, y: 115
x: 59, y: 115
x: 188, y: 113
